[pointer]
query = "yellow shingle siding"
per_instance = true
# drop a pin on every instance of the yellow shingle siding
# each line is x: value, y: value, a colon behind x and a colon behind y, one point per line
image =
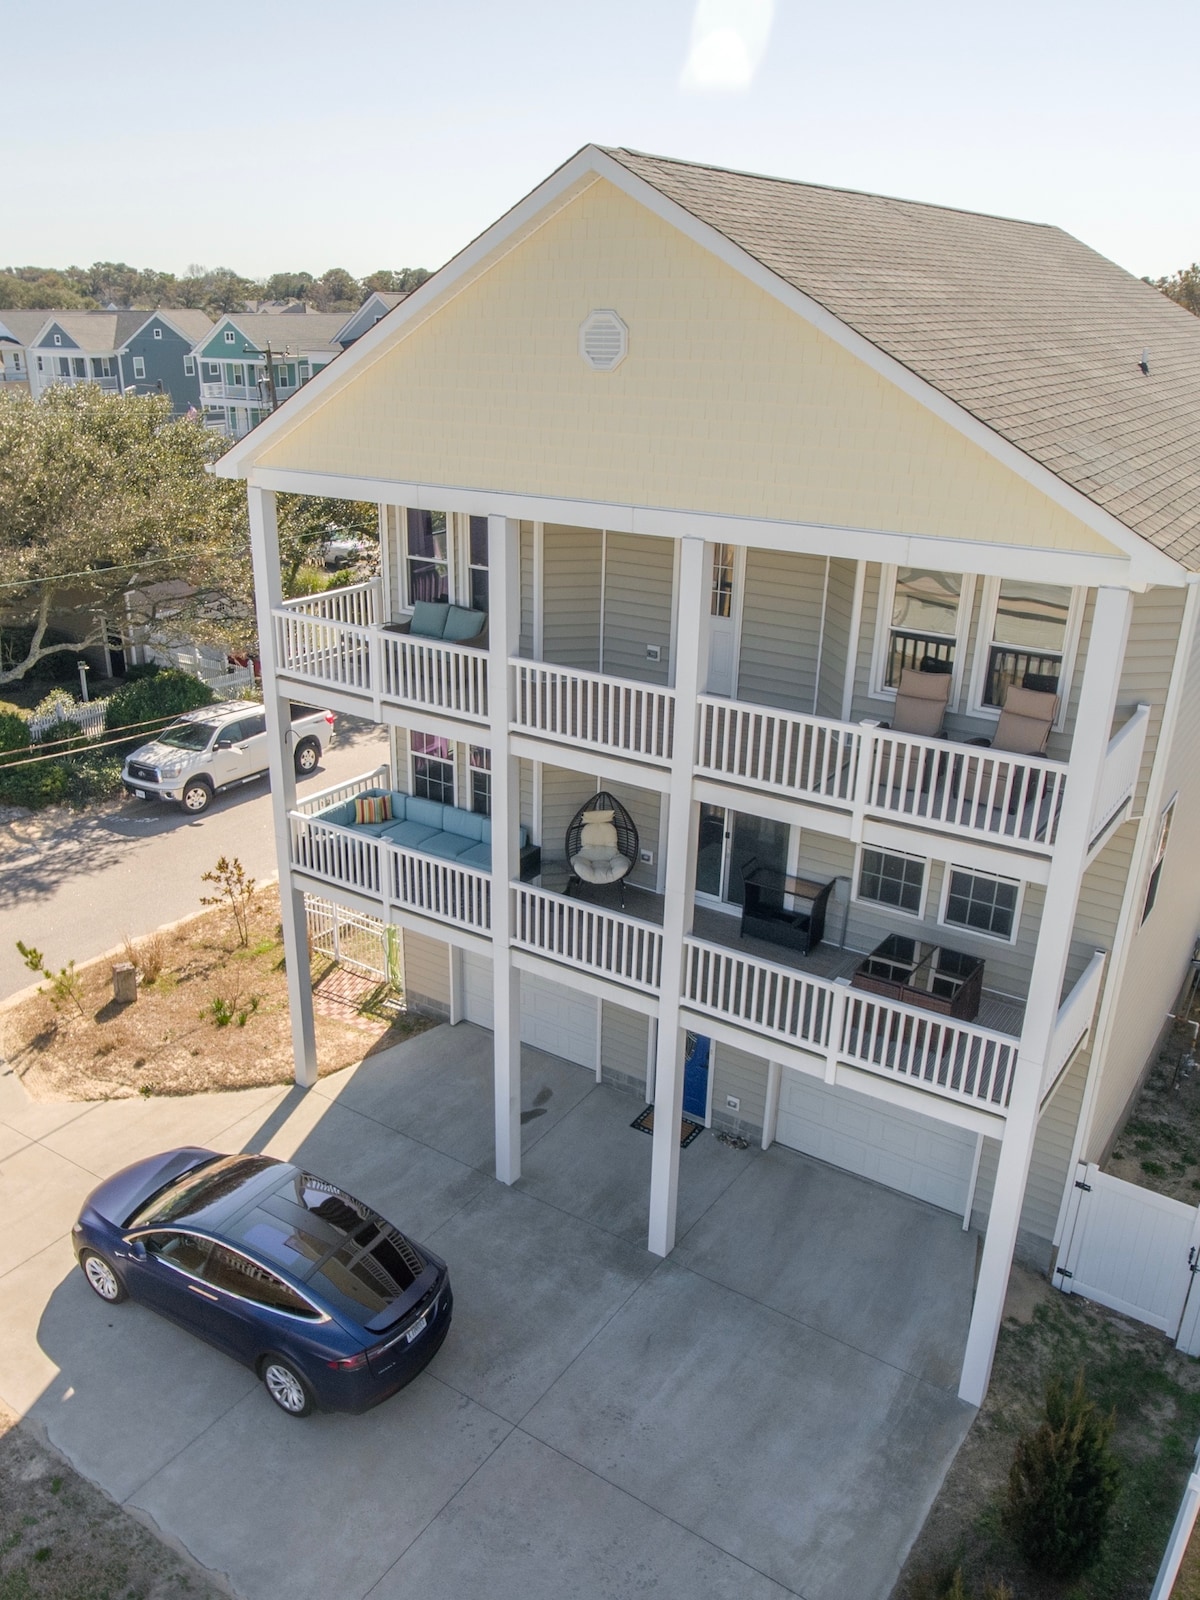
x: 728, y: 402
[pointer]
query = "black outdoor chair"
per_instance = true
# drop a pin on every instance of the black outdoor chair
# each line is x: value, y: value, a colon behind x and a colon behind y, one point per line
x: 602, y: 844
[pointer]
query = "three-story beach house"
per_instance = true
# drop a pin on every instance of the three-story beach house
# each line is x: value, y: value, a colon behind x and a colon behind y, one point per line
x: 787, y: 639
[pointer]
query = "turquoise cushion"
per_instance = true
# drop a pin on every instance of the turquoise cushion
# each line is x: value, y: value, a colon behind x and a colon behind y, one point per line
x: 430, y: 812
x: 341, y: 814
x: 478, y: 856
x: 412, y: 835
x: 429, y: 618
x: 375, y: 830
x: 486, y: 835
x: 465, y: 823
x: 449, y: 846
x: 399, y: 805
x: 463, y: 624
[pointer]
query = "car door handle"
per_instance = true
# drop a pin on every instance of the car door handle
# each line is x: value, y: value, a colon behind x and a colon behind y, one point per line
x: 196, y: 1289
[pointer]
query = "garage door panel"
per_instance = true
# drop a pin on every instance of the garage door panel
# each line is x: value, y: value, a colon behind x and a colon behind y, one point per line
x: 885, y: 1143
x: 554, y: 1018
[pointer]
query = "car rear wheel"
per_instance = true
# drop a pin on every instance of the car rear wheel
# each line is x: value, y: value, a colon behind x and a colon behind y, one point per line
x: 286, y: 1387
x: 102, y: 1278
x: 308, y: 753
x: 196, y: 797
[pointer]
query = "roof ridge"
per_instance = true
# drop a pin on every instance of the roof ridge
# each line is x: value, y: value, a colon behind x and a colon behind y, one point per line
x: 829, y: 188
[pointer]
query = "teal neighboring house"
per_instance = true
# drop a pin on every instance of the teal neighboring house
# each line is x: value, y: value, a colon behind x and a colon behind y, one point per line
x: 252, y: 361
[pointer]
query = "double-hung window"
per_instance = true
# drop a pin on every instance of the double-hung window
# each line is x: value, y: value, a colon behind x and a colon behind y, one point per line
x: 721, y: 597
x: 433, y: 768
x: 924, y: 622
x: 480, y: 767
x: 427, y: 556
x: 1160, y: 856
x: 80, y: 365
x: 981, y: 903
x: 1029, y: 638
x: 477, y: 563
x: 189, y: 366
x: 139, y: 366
x: 892, y: 880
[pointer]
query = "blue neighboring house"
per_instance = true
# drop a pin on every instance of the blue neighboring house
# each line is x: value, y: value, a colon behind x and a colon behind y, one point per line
x: 158, y: 357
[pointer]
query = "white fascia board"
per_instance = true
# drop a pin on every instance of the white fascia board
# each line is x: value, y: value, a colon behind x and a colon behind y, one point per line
x: 526, y: 217
x: 584, y: 982
x: 1071, y: 568
x: 1160, y: 568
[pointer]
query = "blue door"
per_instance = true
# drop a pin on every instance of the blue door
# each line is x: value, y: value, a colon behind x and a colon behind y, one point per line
x: 696, y: 1052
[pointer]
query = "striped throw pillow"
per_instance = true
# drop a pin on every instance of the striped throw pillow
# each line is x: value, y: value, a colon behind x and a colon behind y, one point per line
x: 373, y: 808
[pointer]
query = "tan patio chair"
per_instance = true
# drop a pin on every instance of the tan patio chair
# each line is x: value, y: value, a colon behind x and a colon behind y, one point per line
x: 921, y: 701
x: 1025, y: 721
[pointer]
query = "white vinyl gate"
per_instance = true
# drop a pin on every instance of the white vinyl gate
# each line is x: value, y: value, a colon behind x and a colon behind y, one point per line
x: 1134, y: 1251
x: 354, y: 940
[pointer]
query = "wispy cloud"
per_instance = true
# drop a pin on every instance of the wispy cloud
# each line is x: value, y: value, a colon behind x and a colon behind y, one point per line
x: 729, y: 38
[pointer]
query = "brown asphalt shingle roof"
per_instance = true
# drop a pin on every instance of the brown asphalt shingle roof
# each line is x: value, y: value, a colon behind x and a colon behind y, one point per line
x: 1023, y: 326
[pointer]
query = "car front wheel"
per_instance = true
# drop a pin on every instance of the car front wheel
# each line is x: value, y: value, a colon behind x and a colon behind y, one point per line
x: 308, y: 753
x: 102, y: 1278
x: 196, y: 797
x: 286, y: 1387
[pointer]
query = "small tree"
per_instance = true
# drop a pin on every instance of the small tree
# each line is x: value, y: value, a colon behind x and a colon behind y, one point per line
x: 235, y: 890
x: 64, y: 986
x: 1063, y: 1483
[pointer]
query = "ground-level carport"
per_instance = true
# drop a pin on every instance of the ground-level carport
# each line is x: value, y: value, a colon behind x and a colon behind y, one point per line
x: 769, y: 1411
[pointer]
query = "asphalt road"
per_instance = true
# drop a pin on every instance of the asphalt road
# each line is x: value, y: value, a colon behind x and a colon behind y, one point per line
x: 75, y: 883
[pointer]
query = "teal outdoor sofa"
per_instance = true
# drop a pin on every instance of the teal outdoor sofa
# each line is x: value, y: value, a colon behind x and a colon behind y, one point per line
x: 433, y: 829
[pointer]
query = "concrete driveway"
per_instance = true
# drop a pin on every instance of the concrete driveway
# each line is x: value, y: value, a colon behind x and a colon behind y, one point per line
x: 769, y: 1412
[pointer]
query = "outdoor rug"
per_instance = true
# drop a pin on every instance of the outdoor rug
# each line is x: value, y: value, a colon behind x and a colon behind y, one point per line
x: 688, y: 1130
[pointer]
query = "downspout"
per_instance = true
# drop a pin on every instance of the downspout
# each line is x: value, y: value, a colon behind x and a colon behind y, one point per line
x: 1127, y: 923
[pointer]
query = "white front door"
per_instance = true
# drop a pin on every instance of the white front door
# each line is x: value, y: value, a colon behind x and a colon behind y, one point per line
x: 902, y: 1149
x: 554, y: 1017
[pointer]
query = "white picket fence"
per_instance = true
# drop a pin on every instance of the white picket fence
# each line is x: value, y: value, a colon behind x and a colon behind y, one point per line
x: 354, y: 940
x: 89, y: 719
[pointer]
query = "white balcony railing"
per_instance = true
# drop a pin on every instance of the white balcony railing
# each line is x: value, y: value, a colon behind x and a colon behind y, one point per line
x: 955, y: 788
x: 591, y: 709
x: 957, y: 1060
x: 1074, y: 1020
x: 443, y: 677
x: 395, y: 877
x: 329, y: 653
x: 1120, y: 772
x: 379, y: 778
x: 585, y: 936
x: 356, y: 604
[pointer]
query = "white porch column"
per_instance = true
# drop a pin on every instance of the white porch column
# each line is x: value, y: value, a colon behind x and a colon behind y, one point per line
x: 678, y: 889
x: 268, y: 593
x: 504, y: 622
x: 1093, y: 723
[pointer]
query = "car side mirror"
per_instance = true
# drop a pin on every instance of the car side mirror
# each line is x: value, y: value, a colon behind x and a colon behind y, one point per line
x: 224, y: 744
x: 137, y: 1249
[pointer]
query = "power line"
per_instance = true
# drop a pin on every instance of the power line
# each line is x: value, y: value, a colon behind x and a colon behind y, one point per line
x: 101, y: 572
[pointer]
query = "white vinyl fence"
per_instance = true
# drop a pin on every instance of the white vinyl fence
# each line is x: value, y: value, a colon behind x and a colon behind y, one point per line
x: 354, y: 940
x: 89, y: 719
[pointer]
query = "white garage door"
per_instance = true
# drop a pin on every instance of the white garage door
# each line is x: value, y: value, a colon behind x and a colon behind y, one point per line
x: 903, y: 1149
x: 554, y: 1018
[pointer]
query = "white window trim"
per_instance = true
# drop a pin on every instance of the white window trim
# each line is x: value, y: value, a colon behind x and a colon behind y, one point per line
x: 883, y: 629
x: 139, y: 366
x: 58, y: 338
x: 456, y: 569
x: 230, y: 336
x: 1166, y: 820
x: 878, y: 905
x: 158, y: 333
x: 983, y: 644
x: 452, y: 758
x: 189, y: 366
x: 977, y: 933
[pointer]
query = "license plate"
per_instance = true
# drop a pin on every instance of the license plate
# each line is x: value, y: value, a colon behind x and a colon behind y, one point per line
x: 417, y: 1329
x: 140, y: 793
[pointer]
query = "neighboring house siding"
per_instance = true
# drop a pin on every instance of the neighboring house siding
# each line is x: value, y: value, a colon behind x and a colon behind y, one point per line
x: 164, y: 366
x: 563, y: 792
x: 766, y: 416
x: 638, y: 580
x: 46, y: 342
x: 427, y: 974
x: 624, y: 1045
x: 781, y: 626
x: 1162, y: 945
x: 572, y: 561
x: 738, y: 1073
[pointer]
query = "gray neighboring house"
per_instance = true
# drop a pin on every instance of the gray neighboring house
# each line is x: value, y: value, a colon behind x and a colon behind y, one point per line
x: 18, y: 330
x: 158, y: 357
x: 373, y: 309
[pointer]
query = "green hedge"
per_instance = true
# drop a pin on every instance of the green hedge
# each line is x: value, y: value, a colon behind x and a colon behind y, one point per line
x: 165, y: 694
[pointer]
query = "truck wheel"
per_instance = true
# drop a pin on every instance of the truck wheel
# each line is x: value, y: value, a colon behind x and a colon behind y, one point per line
x: 308, y: 753
x: 197, y: 796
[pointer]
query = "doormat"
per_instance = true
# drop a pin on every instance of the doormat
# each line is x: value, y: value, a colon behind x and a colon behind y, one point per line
x: 688, y: 1130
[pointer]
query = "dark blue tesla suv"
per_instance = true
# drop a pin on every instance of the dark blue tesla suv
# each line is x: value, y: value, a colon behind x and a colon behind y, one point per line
x: 329, y: 1304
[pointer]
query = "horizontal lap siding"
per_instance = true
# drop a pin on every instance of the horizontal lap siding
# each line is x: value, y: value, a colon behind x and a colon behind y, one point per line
x: 401, y: 768
x: 624, y: 1043
x: 528, y: 587
x: 781, y: 628
x: 563, y: 792
x: 835, y: 652
x: 1162, y: 945
x: 571, y: 561
x: 394, y: 599
x: 426, y: 973
x: 638, y: 580
x: 738, y: 1073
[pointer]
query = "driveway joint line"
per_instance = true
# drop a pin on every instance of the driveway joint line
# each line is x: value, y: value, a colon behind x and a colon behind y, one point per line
x: 252, y: 1389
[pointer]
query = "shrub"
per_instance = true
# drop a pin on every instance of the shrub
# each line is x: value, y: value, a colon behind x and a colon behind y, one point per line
x: 58, y: 705
x: 164, y: 694
x: 1063, y: 1483
x: 14, y: 734
x: 235, y: 890
x: 65, y: 986
x: 42, y: 783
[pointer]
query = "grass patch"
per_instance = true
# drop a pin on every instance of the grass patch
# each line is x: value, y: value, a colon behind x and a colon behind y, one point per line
x: 1155, y: 1392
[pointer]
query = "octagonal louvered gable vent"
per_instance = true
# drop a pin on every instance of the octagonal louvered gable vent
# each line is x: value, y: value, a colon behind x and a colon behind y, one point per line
x: 603, y: 340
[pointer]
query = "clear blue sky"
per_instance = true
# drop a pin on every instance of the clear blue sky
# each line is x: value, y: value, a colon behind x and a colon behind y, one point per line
x: 369, y: 134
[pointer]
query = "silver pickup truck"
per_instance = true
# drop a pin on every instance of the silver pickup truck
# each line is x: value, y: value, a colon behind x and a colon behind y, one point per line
x: 214, y: 748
